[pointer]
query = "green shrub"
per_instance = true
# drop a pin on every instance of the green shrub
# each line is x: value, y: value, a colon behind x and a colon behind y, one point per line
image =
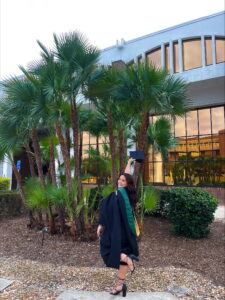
x: 162, y: 207
x: 190, y: 210
x: 4, y: 184
x: 11, y: 204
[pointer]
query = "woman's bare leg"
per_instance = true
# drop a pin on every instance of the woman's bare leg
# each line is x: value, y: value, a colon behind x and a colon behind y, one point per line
x: 122, y: 271
x: 128, y: 260
x: 121, y: 277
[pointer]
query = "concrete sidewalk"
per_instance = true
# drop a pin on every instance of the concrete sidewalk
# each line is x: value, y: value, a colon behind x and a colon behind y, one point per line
x: 83, y: 295
x: 220, y: 212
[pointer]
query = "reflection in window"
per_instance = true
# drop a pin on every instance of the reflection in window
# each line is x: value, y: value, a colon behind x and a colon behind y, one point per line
x: 208, y: 51
x: 204, y: 121
x: 199, y: 157
x: 86, y: 137
x: 167, y: 57
x: 192, y: 54
x: 180, y: 127
x: 158, y: 172
x: 205, y: 145
x: 175, y: 57
x: 220, y: 50
x: 85, y: 151
x: 192, y: 123
x: 154, y: 58
x: 193, y: 146
x: 217, y: 119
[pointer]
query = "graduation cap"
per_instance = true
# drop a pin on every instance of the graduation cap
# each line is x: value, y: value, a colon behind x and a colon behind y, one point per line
x: 137, y: 155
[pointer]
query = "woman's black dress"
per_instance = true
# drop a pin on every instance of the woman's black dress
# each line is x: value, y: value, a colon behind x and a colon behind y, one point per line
x: 117, y: 237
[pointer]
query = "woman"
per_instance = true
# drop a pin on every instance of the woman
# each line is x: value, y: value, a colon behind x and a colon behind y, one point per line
x: 116, y: 230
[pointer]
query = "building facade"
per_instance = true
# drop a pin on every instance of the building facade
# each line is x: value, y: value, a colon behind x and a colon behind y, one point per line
x: 194, y: 51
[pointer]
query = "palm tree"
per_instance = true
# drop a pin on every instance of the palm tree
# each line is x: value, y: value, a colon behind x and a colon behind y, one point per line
x: 147, y: 90
x: 74, y: 50
x: 100, y: 90
x: 97, y: 126
x: 11, y: 142
x: 64, y: 72
x: 51, y: 106
x: 21, y: 93
x: 160, y: 136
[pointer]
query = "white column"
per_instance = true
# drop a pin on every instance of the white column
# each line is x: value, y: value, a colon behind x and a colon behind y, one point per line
x: 180, y: 55
x: 1, y: 169
x: 162, y: 55
x: 4, y: 169
x: 203, y: 51
x: 171, y: 58
x: 213, y: 49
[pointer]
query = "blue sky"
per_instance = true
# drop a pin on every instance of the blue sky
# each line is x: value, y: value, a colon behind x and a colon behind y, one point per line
x: 22, y: 22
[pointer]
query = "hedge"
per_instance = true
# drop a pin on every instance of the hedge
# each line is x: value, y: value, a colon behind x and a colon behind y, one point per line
x: 4, y: 184
x: 11, y: 204
x: 190, y: 210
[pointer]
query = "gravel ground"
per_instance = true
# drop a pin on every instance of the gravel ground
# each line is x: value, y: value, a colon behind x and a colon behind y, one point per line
x: 190, y: 269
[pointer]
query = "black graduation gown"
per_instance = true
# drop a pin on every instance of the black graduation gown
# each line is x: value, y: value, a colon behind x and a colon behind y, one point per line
x: 117, y: 237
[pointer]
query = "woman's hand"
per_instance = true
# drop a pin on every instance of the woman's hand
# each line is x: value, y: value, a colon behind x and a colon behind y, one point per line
x: 100, y: 230
x: 131, y: 160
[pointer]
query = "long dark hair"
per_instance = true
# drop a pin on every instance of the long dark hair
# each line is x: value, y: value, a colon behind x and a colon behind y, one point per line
x: 130, y: 188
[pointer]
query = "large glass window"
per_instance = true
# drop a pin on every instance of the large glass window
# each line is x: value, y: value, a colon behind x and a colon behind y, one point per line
x: 192, y: 123
x: 192, y: 54
x: 139, y: 60
x: 204, y: 121
x: 199, y: 157
x: 180, y: 129
x: 167, y: 57
x: 217, y: 119
x: 208, y: 51
x: 154, y: 58
x: 175, y: 57
x: 220, y: 50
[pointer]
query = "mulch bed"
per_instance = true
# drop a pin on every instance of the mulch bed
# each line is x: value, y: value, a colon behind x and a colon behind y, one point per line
x: 158, y: 248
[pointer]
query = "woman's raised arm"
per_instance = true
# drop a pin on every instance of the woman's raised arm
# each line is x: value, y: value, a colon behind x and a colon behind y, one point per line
x: 127, y: 169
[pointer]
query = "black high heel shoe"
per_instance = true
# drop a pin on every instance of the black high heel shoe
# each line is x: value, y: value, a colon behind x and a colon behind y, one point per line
x: 123, y: 290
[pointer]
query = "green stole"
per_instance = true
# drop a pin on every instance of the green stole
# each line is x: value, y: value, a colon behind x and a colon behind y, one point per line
x: 130, y: 217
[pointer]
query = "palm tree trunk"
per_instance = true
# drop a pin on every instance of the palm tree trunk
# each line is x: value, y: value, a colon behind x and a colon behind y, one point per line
x: 122, y: 150
x: 80, y: 148
x: 52, y: 162
x: 19, y: 182
x: 66, y: 157
x: 51, y: 221
x: 22, y: 193
x: 30, y: 159
x: 113, y: 148
x: 37, y: 152
x: 75, y: 127
x: 76, y: 146
x: 33, y: 222
x: 61, y: 210
x: 97, y: 144
x: 68, y: 140
x: 142, y: 139
x: 97, y: 167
